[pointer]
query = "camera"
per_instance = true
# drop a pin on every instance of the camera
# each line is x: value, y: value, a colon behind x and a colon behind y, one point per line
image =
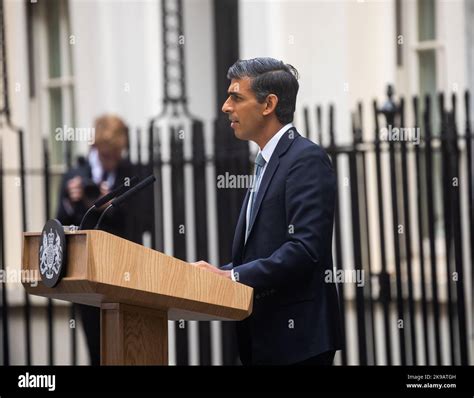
x: 91, y: 189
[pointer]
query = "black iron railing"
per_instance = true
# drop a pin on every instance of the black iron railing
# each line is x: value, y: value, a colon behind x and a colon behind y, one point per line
x: 411, y: 308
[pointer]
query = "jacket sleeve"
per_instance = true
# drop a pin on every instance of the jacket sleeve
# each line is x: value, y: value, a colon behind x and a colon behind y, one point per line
x: 310, y: 200
x: 227, y: 267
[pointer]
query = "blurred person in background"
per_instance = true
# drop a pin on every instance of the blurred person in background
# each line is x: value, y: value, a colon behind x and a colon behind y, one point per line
x: 105, y: 168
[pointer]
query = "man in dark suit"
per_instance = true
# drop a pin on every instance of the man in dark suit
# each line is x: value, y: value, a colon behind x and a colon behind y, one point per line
x: 104, y: 169
x: 283, y: 240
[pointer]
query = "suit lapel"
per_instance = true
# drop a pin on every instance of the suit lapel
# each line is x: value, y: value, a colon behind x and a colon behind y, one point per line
x: 267, y: 177
x: 240, y: 228
x: 239, y: 236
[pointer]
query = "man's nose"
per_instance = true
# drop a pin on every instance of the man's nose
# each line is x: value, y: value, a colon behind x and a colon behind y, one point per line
x: 226, y: 107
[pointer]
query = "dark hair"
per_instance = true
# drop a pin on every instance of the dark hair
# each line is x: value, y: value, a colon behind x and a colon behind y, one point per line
x: 270, y: 76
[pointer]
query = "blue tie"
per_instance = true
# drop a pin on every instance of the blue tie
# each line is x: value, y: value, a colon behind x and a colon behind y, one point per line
x: 259, y: 164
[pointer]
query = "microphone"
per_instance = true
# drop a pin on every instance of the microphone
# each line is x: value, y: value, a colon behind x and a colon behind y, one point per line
x: 132, y: 191
x: 104, y: 199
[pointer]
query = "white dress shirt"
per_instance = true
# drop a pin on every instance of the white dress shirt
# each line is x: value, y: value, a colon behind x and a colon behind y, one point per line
x: 97, y: 169
x: 267, y: 153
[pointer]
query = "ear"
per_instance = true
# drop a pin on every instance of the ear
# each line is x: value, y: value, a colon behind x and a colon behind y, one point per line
x: 271, y: 103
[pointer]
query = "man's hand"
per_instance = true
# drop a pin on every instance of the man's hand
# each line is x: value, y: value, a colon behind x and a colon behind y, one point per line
x: 211, y: 268
x: 104, y: 190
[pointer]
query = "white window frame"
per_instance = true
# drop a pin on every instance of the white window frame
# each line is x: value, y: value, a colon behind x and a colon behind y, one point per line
x: 409, y: 72
x: 44, y: 83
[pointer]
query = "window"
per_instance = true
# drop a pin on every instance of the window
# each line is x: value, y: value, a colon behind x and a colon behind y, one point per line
x: 427, y: 48
x: 52, y: 73
x: 51, y: 82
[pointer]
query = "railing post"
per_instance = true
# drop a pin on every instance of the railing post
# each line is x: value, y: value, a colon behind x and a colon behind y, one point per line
x: 390, y: 111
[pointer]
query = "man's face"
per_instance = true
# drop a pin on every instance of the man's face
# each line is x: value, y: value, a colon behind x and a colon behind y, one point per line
x: 243, y: 109
x: 109, y: 157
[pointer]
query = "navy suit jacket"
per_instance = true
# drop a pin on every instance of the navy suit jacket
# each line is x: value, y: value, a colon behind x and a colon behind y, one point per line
x: 289, y: 248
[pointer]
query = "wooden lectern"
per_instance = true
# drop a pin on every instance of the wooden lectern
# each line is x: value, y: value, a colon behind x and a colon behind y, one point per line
x: 138, y: 290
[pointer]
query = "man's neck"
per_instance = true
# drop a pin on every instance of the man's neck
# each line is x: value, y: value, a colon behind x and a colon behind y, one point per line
x: 267, y: 133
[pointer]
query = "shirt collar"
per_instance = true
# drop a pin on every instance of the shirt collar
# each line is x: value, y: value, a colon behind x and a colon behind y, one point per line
x: 96, y: 167
x: 270, y: 146
x: 97, y: 170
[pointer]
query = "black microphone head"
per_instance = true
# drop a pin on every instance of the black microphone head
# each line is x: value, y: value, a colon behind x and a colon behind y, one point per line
x: 142, y: 184
x: 132, y: 191
x: 116, y: 192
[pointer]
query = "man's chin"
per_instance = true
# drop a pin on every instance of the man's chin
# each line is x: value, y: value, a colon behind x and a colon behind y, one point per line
x: 240, y: 135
